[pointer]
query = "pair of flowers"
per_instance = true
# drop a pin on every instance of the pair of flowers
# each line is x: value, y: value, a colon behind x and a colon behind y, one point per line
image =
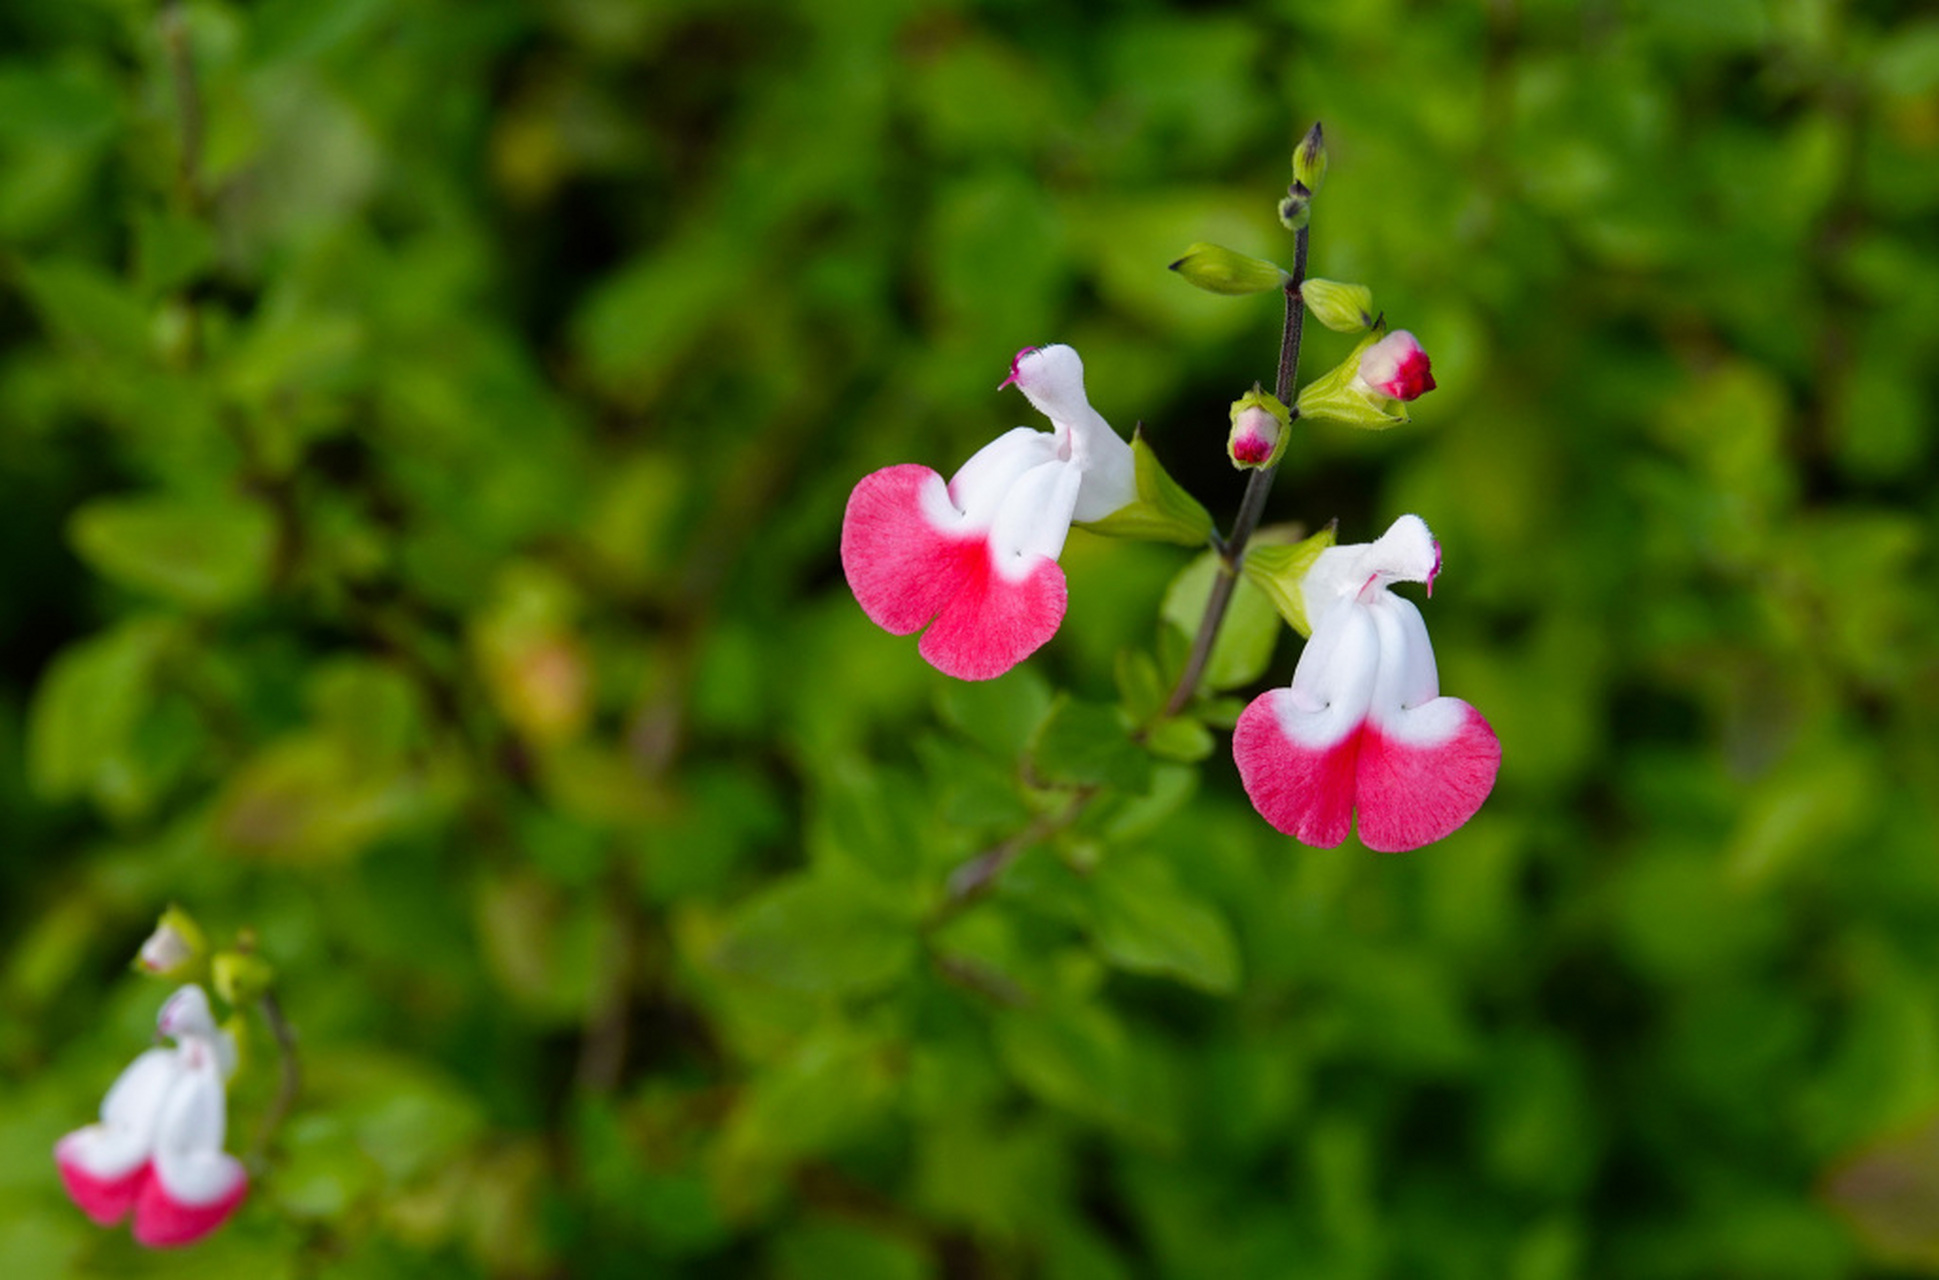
x: 1363, y: 726
x: 157, y: 1151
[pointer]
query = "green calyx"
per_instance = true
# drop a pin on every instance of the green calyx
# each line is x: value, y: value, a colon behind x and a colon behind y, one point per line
x: 1277, y: 562
x: 1217, y: 269
x: 1343, y: 308
x: 1162, y: 512
x: 1340, y: 396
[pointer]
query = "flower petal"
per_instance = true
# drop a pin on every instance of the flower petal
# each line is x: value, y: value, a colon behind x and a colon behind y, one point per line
x: 1034, y: 519
x: 106, y: 1199
x: 1053, y: 380
x: 165, y: 1219
x: 104, y: 1165
x: 1297, y: 748
x: 195, y: 1186
x: 902, y: 568
x: 186, y: 1013
x: 1426, y: 762
x: 978, y: 488
x: 995, y: 619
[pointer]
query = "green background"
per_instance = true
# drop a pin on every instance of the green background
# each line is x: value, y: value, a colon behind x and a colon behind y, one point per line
x: 419, y: 515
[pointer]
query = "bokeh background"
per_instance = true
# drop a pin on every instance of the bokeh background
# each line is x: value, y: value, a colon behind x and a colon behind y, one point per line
x: 424, y: 431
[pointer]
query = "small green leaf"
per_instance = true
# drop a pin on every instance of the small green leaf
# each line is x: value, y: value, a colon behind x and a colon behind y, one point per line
x: 1082, y: 1059
x: 1085, y: 744
x: 89, y: 705
x: 1183, y: 738
x: 1244, y: 647
x: 1145, y: 923
x: 1140, y: 685
x: 211, y: 554
x: 171, y: 249
x: 819, y: 934
x: 998, y: 715
x: 89, y: 310
x: 1277, y: 566
x: 1164, y: 512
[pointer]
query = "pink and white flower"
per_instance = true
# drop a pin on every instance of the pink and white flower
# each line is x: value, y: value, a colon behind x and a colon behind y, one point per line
x: 1396, y: 367
x: 1363, y: 727
x: 975, y: 560
x: 158, y: 1148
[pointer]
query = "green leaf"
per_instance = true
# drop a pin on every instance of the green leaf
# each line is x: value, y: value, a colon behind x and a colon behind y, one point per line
x: 999, y: 715
x: 88, y: 706
x: 819, y: 934
x: 171, y: 249
x: 1244, y: 647
x: 816, y: 1250
x: 1145, y: 923
x: 1085, y: 744
x: 1163, y: 512
x: 89, y: 310
x: 1277, y: 566
x: 1082, y: 1059
x: 1141, y: 686
x: 311, y: 796
x: 210, y: 554
x: 1183, y: 738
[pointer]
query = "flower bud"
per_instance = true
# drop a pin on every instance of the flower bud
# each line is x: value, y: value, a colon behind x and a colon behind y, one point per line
x: 1216, y: 269
x: 1340, y: 395
x: 1295, y: 211
x: 1343, y: 308
x: 1309, y: 160
x: 175, y: 949
x: 1396, y: 367
x: 1258, y: 434
x: 242, y: 977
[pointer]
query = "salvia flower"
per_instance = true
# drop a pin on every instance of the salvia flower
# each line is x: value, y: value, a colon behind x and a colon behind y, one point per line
x: 1396, y: 367
x: 1363, y: 727
x: 158, y: 1148
x: 975, y: 560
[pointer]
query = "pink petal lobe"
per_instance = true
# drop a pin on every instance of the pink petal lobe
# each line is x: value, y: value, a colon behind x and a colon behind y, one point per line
x: 163, y: 1221
x: 1304, y: 791
x: 902, y: 569
x: 992, y: 623
x: 106, y: 1199
x: 1414, y: 792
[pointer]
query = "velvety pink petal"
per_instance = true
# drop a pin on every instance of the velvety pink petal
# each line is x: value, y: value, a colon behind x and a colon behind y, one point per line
x: 901, y: 568
x: 992, y: 622
x: 1304, y: 791
x: 163, y: 1221
x: 1418, y: 788
x: 106, y: 1199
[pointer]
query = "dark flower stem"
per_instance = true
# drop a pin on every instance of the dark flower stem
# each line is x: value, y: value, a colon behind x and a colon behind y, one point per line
x: 289, y: 1082
x: 1232, y: 549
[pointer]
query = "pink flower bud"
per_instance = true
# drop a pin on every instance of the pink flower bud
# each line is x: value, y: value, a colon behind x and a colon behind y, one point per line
x: 1396, y: 367
x: 1253, y: 437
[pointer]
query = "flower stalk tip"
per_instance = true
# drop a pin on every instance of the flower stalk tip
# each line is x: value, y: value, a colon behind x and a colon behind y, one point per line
x: 1309, y: 160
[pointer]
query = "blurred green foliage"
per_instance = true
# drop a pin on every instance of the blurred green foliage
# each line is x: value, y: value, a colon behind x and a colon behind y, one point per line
x: 424, y: 427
